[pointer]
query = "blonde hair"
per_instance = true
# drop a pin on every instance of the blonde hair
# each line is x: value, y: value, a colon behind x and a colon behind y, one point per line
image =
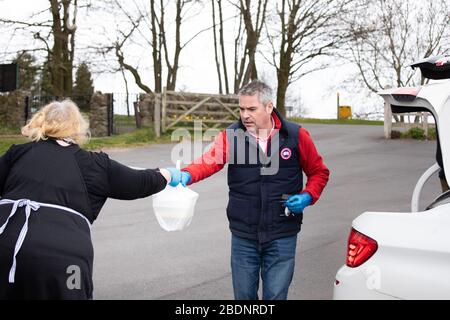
x: 60, y: 120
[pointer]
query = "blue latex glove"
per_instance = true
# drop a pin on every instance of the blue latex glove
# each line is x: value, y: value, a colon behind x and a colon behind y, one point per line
x: 296, y: 204
x: 178, y: 176
x: 185, y: 178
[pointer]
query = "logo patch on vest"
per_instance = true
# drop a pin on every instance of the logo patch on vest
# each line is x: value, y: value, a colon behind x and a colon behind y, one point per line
x: 286, y: 153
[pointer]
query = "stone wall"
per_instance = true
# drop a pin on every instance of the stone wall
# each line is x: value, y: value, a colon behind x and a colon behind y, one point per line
x: 98, y: 119
x: 13, y: 109
x: 146, y: 109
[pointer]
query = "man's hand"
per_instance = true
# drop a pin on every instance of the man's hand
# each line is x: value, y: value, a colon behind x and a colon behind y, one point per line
x: 296, y: 204
x: 178, y: 177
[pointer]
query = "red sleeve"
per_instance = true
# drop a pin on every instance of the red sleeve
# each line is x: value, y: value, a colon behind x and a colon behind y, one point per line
x: 211, y: 161
x: 313, y: 166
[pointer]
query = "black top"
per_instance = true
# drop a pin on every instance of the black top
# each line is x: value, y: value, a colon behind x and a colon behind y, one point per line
x: 103, y: 178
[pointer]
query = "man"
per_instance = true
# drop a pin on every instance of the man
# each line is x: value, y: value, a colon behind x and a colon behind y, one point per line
x: 266, y: 157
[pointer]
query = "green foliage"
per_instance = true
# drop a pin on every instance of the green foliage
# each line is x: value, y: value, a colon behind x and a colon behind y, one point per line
x: 84, y: 88
x: 432, y: 134
x: 28, y: 72
x: 419, y: 134
x: 46, y: 81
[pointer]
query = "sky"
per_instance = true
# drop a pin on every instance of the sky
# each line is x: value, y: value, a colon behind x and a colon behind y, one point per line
x: 198, y: 71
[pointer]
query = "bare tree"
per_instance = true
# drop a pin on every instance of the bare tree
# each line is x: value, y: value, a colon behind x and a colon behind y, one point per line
x: 306, y: 30
x: 251, y: 23
x: 123, y: 37
x: 148, y: 25
x: 391, y: 34
x: 388, y: 36
x: 56, y: 32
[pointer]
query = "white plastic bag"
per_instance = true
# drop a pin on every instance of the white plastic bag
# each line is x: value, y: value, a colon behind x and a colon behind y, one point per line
x: 174, y: 207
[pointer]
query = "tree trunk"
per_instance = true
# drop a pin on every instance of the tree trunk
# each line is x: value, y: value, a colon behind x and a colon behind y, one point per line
x: 237, y: 41
x: 286, y: 53
x: 222, y: 46
x: 173, y: 71
x: 68, y: 54
x: 62, y: 54
x: 156, y: 52
x: 216, y: 56
x: 248, y: 72
x: 283, y: 83
x: 55, y: 56
x: 134, y: 71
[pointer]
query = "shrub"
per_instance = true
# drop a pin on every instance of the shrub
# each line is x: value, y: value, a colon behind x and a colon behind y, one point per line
x: 432, y: 134
x: 417, y: 133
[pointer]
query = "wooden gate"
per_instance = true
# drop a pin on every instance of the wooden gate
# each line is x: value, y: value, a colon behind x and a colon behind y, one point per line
x: 182, y: 109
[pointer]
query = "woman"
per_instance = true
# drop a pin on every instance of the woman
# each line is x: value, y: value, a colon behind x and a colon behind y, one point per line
x: 51, y: 191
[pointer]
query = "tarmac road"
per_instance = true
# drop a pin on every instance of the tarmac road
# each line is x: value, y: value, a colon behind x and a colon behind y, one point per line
x: 136, y: 259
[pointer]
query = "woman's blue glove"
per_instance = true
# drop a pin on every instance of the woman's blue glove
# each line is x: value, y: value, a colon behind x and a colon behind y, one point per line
x: 178, y: 176
x: 296, y: 204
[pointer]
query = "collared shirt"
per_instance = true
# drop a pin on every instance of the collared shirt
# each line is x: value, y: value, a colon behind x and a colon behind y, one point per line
x: 263, y: 142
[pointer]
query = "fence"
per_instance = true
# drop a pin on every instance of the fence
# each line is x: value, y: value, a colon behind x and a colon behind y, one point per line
x: 21, y: 106
x: 182, y: 108
x: 124, y: 113
x: 113, y: 113
x: 405, y: 121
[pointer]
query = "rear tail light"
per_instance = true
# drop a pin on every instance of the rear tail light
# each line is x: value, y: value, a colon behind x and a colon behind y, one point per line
x: 360, y: 248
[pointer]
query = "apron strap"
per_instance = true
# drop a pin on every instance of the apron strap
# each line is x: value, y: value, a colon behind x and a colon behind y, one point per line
x: 29, y: 207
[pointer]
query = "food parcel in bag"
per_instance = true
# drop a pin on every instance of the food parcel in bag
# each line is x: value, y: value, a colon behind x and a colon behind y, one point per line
x: 174, y: 207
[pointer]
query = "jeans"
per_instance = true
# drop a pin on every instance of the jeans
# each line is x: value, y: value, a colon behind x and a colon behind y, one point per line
x: 274, y: 261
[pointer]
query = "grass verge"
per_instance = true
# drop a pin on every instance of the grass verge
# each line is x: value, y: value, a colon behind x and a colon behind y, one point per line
x: 335, y: 121
x: 139, y: 137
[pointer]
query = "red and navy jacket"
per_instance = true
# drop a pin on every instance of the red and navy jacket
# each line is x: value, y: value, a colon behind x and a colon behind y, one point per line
x: 257, y: 180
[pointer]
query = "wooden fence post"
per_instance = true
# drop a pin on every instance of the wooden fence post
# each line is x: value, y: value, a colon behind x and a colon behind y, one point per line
x: 387, y: 121
x: 137, y: 114
x: 110, y: 113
